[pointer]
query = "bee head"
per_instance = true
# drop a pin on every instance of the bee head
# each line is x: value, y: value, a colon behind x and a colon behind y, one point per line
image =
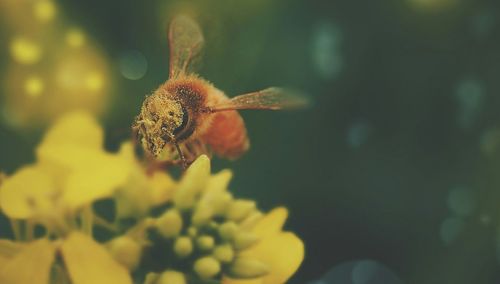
x: 159, y: 121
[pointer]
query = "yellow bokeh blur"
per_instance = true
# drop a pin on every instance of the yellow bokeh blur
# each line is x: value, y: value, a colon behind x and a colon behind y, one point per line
x: 75, y: 38
x: 33, y: 86
x: 44, y: 10
x: 53, y: 68
x: 25, y: 51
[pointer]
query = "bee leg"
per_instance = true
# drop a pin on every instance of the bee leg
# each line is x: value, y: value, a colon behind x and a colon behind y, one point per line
x: 181, y: 156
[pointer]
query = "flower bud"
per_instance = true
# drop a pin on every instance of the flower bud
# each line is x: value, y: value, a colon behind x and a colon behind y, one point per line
x: 126, y: 251
x: 151, y: 278
x: 171, y: 277
x: 221, y: 202
x: 192, y: 183
x: 202, y: 214
x: 205, y: 243
x: 228, y: 230
x: 219, y: 181
x: 169, y: 224
x: 192, y: 232
x: 240, y: 209
x: 224, y: 253
x: 243, y: 240
x: 183, y: 246
x: 248, y: 268
x: 207, y: 267
x: 251, y: 220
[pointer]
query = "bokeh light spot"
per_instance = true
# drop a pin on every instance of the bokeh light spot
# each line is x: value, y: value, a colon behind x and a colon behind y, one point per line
x: 75, y: 38
x: 325, y: 50
x: 485, y: 219
x: 363, y: 271
x: 94, y: 81
x: 461, y: 201
x: 470, y: 97
x: 489, y: 142
x: 25, y: 51
x: 483, y: 23
x: 133, y: 65
x: 44, y: 10
x: 359, y: 272
x: 358, y: 134
x: 33, y: 86
x: 450, y: 229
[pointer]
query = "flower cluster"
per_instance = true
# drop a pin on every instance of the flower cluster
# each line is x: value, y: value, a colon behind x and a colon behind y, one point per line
x: 161, y: 230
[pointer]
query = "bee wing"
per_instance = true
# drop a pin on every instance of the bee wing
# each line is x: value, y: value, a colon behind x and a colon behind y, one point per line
x: 271, y: 98
x: 186, y: 42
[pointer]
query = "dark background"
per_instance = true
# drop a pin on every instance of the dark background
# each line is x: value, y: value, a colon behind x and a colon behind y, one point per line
x: 396, y: 161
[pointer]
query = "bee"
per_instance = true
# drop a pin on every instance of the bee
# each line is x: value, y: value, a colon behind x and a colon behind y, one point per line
x: 187, y: 116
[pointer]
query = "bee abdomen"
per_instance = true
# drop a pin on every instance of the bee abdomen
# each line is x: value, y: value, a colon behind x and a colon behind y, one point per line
x: 227, y: 135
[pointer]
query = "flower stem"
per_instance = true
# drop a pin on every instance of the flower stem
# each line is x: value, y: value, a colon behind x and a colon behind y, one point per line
x: 16, y: 229
x: 87, y: 218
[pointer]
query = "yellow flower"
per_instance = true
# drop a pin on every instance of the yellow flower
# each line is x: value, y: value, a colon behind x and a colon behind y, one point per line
x: 72, y: 170
x: 282, y: 252
x: 222, y: 235
x: 141, y: 191
x: 85, y: 261
x: 203, y: 233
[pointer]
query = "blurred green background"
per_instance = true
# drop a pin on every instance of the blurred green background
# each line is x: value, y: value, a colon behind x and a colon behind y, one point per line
x: 398, y: 159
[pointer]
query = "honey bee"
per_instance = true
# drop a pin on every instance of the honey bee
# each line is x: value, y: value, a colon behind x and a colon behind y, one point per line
x: 187, y: 116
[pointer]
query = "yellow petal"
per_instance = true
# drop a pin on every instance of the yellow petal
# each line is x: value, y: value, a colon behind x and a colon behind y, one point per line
x: 27, y: 191
x: 78, y: 128
x: 283, y: 253
x: 141, y: 191
x: 9, y: 249
x: 31, y: 265
x: 89, y: 263
x: 87, y: 185
x: 271, y: 223
x: 70, y: 156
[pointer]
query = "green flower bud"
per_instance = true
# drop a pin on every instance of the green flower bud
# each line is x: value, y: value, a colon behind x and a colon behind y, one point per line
x: 183, y: 246
x: 219, y: 181
x: 243, y: 240
x: 202, y: 215
x: 126, y: 251
x: 221, y: 203
x: 240, y: 209
x: 207, y: 267
x: 205, y: 243
x: 169, y: 224
x: 251, y: 220
x: 192, y: 232
x: 228, y: 230
x: 247, y: 268
x: 224, y: 253
x: 171, y: 277
x: 151, y: 278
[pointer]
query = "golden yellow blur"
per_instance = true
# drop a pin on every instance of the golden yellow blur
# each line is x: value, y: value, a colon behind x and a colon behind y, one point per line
x: 33, y: 86
x: 25, y: 51
x: 76, y: 74
x: 44, y: 10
